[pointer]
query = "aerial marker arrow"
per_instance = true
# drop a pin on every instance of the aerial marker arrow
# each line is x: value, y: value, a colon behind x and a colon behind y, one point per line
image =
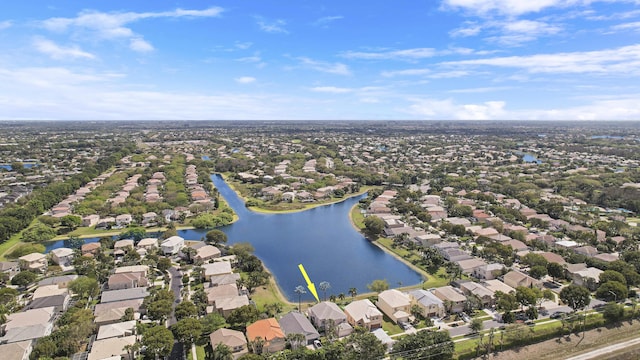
x: 310, y: 285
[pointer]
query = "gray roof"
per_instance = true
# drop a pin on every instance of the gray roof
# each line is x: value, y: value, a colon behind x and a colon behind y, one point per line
x: 57, y: 280
x: 57, y: 301
x: 124, y: 294
x: 27, y: 333
x: 6, y: 265
x: 426, y: 298
x: 327, y: 310
x: 225, y: 279
x: 296, y: 323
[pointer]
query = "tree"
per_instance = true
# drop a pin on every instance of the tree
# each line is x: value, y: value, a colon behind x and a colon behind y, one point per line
x: 378, y: 285
x: 612, y: 291
x: 476, y: 325
x: 527, y: 296
x: 135, y: 233
x: 533, y: 259
x: 164, y: 264
x: 538, y: 272
x: 555, y: 270
x: 612, y: 275
x: 85, y: 287
x: 324, y: 286
x: 363, y: 345
x: 300, y: 290
x: 158, y: 341
x: 45, y: 348
x: 373, y: 227
x: 212, y: 322
x: 221, y: 352
x: 187, y: 331
x: 575, y: 296
x: 613, y: 312
x: 189, y: 252
x: 433, y: 345
x: 71, y: 221
x: 453, y: 270
x: 243, y: 315
x: 353, y: 292
x: 185, y: 309
x: 129, y: 314
x: 296, y: 340
x: 216, y: 237
x: 23, y: 278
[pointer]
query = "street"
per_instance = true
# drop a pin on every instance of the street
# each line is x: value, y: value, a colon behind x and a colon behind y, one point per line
x: 175, y: 286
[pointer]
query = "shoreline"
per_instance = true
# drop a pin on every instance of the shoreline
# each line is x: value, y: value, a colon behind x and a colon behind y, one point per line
x: 423, y: 274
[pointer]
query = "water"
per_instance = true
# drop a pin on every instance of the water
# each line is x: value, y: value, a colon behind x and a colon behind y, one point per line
x: 608, y: 137
x: 205, y: 158
x: 322, y: 239
x: 26, y: 166
x: 530, y: 159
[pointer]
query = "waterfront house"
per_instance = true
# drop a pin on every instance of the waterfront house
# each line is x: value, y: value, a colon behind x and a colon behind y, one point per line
x: 395, y: 304
x: 62, y: 256
x: 326, y: 311
x: 235, y: 340
x: 11, y: 268
x: 430, y: 305
x: 268, y: 330
x: 216, y: 268
x: 172, y: 245
x: 90, y: 249
x: 451, y: 298
x: 35, y: 262
x: 364, y: 314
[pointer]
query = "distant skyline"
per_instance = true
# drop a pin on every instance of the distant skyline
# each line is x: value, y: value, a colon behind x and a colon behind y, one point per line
x: 333, y: 60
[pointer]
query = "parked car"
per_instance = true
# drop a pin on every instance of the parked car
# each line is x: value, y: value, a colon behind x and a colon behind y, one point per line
x: 556, y: 315
x: 522, y: 316
x: 317, y: 344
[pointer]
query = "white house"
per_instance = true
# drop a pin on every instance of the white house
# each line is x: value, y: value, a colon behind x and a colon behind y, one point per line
x: 172, y: 245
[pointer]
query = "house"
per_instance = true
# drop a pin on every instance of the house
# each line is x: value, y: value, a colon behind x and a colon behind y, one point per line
x: 496, y: 285
x: 516, y: 245
x: 123, y: 245
x: 61, y: 281
x: 364, y: 314
x: 224, y: 299
x: 488, y: 271
x: 296, y: 323
x: 452, y: 299
x: 172, y: 245
x: 469, y: 265
x: 90, y: 220
x: 35, y: 262
x: 110, y: 313
x: 127, y: 280
x: 133, y: 268
x: 111, y: 348
x: 90, y: 249
x: 395, y: 304
x: 384, y: 338
x: 11, y: 268
x: 588, y: 251
x: 207, y: 252
x: 587, y: 277
x: 124, y: 220
x: 147, y: 243
x: 485, y: 295
x: 121, y: 329
x: 149, y: 219
x: 552, y: 257
x: 17, y: 350
x: 428, y: 240
x: 59, y: 302
x: 430, y: 305
x: 516, y: 278
x: 224, y: 279
x: 124, y: 294
x: 324, y: 312
x: 28, y: 325
x: 233, y: 339
x: 216, y: 268
x: 268, y: 330
x: 62, y: 256
x: 225, y: 306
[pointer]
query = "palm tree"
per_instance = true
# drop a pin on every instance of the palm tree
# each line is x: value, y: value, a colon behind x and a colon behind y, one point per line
x: 324, y: 286
x: 332, y: 298
x: 296, y: 340
x: 300, y: 290
x: 221, y: 352
x: 341, y: 296
x: 189, y: 253
x: 353, y: 291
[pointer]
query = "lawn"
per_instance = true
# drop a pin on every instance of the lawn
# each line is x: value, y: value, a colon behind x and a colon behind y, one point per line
x: 270, y: 294
x: 439, y: 279
x: 13, y: 241
x: 199, y: 353
x: 389, y: 326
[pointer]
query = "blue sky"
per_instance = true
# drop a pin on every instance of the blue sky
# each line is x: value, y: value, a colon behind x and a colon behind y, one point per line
x: 266, y: 59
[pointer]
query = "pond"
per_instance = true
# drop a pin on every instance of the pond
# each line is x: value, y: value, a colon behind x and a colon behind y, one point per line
x: 322, y: 239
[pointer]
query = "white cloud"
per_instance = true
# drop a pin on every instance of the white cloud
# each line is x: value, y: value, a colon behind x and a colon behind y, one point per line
x: 331, y: 89
x: 449, y: 74
x: 520, y: 31
x: 467, y: 31
x: 623, y: 60
x: 633, y: 26
x: 243, y: 45
x: 57, y: 52
x: 449, y: 109
x: 324, y: 21
x: 507, y: 7
x: 245, y: 80
x: 479, y: 90
x: 331, y: 68
x: 5, y: 24
x: 406, y: 72
x: 140, y: 45
x: 273, y: 27
x: 407, y: 54
x: 109, y: 26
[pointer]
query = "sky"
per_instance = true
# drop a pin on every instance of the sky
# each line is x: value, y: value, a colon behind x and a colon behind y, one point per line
x: 316, y: 60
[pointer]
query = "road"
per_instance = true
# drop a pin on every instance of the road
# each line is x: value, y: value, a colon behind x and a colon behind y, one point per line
x: 465, y: 329
x: 175, y: 285
x: 605, y: 350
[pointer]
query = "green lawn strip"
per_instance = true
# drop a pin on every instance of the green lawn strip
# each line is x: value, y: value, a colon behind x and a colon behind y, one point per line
x: 389, y: 326
x: 14, y: 240
x: 199, y: 353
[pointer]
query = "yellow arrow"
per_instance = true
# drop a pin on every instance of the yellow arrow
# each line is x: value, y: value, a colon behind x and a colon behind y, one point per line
x: 310, y: 285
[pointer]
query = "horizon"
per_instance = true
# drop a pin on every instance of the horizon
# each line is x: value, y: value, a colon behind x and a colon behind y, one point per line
x: 298, y: 61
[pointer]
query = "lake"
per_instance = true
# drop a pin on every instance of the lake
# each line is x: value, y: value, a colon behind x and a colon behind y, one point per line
x: 322, y: 239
